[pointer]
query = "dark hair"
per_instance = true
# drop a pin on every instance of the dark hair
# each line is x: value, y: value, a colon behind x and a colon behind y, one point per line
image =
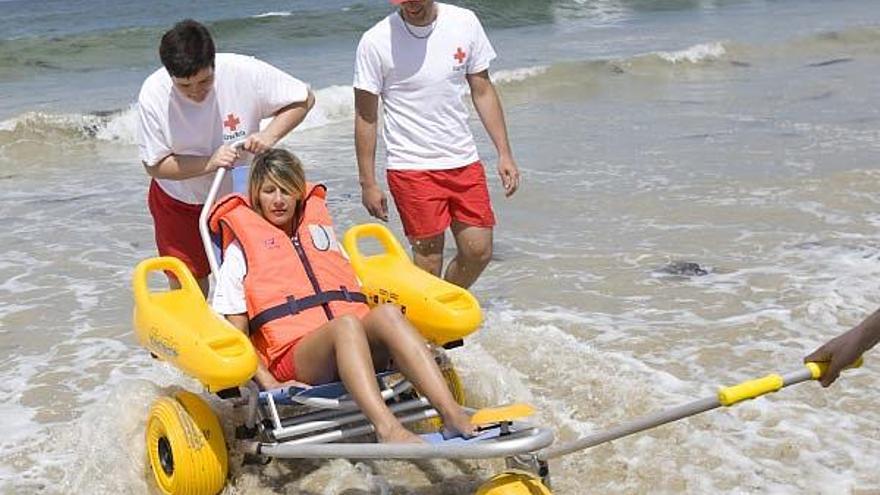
x: 186, y: 49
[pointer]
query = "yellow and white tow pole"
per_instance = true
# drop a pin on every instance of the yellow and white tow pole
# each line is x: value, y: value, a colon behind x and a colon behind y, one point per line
x: 518, y: 482
x: 727, y: 397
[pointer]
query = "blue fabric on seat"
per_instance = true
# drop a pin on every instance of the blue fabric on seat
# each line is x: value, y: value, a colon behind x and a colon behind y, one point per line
x: 437, y: 438
x: 332, y: 390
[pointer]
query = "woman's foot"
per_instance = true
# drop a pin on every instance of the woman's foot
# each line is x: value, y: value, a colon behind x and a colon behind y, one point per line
x: 398, y: 434
x: 458, y: 424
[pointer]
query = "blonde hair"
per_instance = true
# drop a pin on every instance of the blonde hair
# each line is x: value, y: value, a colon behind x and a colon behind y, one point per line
x: 282, y: 168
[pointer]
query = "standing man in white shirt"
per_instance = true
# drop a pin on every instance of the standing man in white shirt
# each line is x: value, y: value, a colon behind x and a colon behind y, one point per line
x: 189, y: 112
x: 421, y: 60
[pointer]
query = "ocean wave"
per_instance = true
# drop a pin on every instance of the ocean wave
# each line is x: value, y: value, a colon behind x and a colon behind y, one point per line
x: 120, y: 47
x: 110, y: 126
x: 838, y: 45
x: 852, y: 36
x: 272, y: 14
x: 129, y: 47
x: 599, y: 12
x: 516, y: 75
x: 695, y: 54
x: 335, y: 103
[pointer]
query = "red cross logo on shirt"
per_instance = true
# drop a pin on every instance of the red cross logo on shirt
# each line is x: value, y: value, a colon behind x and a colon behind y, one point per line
x: 231, y: 122
x: 459, y: 55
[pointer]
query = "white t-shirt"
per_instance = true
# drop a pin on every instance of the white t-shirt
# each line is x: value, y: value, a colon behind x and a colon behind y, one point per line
x: 229, y: 297
x: 246, y: 90
x: 422, y: 84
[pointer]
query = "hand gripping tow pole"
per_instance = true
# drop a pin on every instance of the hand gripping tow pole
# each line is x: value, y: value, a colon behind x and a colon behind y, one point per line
x: 205, y: 234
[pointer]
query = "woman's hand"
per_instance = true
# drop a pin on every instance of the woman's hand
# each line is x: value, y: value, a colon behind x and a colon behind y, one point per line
x: 294, y: 383
x: 268, y: 382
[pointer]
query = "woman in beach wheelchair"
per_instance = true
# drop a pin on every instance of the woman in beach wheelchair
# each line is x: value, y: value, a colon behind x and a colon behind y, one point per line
x: 285, y: 282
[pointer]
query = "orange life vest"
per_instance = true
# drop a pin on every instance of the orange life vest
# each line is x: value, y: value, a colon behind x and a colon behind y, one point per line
x: 293, y: 284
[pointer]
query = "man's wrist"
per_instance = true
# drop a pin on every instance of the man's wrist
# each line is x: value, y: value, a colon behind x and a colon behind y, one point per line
x: 505, y: 154
x: 270, y: 138
x: 861, y: 337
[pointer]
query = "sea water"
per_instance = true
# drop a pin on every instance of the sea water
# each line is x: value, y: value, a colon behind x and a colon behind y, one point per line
x: 698, y: 207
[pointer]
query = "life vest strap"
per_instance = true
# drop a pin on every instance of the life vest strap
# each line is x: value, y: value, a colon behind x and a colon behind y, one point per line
x: 293, y: 306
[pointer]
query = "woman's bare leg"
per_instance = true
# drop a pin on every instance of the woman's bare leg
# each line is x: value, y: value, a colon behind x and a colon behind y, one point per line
x: 341, y: 347
x: 387, y: 325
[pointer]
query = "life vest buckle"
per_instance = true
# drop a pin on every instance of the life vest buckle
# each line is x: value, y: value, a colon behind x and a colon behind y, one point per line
x: 292, y: 305
x: 346, y: 294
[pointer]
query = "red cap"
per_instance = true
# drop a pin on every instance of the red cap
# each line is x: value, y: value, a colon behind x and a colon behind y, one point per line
x: 398, y: 2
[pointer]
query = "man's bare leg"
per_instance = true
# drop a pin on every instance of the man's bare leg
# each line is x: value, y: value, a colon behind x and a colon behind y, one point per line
x: 428, y: 253
x: 474, y: 253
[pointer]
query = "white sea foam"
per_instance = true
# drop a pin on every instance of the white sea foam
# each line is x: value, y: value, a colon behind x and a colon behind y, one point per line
x: 332, y: 104
x: 520, y: 74
x: 273, y: 14
x: 121, y: 126
x: 696, y: 53
x: 46, y: 122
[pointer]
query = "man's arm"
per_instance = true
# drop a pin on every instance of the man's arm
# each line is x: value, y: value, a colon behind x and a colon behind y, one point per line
x: 845, y: 349
x: 179, y: 167
x: 488, y: 107
x: 156, y: 155
x: 366, y: 109
x: 284, y: 121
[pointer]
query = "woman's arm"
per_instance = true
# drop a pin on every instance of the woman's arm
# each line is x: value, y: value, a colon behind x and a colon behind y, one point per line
x: 229, y: 300
x: 263, y: 377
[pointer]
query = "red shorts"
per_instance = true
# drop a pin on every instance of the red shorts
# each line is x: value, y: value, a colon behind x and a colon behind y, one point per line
x: 284, y: 369
x: 429, y: 200
x: 177, y: 230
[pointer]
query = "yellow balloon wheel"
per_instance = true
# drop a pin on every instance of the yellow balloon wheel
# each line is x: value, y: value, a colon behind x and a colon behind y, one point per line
x: 209, y: 425
x: 185, y: 446
x: 514, y: 482
x: 453, y: 381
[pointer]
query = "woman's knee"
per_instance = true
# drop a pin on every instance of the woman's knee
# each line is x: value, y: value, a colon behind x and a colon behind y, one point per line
x: 388, y: 312
x: 348, y: 327
x: 391, y: 320
x: 388, y: 324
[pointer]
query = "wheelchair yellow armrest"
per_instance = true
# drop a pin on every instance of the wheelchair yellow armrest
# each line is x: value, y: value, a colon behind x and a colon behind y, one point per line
x: 442, y: 312
x: 178, y: 326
